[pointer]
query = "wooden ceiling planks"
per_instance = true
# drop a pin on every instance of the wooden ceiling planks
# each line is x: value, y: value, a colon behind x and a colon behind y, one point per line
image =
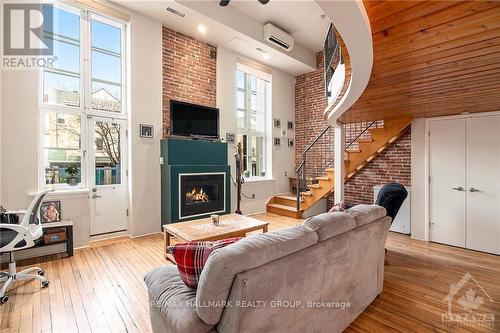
x: 431, y: 58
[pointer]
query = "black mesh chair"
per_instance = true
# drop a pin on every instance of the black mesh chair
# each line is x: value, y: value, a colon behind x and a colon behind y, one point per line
x: 17, y: 234
x: 391, y: 197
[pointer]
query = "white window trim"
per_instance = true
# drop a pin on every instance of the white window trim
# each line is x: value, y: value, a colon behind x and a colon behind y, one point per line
x: 84, y: 111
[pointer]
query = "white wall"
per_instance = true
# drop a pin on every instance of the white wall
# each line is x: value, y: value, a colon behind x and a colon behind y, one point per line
x: 283, y: 107
x: 419, y: 179
x: 146, y: 108
x: 19, y: 129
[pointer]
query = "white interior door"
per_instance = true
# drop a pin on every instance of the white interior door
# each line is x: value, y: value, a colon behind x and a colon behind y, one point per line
x: 447, y: 187
x: 108, y: 176
x: 483, y: 184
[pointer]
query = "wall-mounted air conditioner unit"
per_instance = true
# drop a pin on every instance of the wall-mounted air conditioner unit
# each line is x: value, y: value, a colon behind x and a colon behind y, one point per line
x: 277, y: 37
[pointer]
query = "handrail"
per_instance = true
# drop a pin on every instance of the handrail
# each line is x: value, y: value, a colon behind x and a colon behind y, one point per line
x: 316, y: 140
x: 360, y: 134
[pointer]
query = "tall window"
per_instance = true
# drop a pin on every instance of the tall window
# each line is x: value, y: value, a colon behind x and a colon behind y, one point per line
x: 86, y: 81
x: 252, y: 109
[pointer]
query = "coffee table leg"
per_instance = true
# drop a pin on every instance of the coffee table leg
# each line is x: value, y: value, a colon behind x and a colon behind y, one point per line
x: 168, y: 256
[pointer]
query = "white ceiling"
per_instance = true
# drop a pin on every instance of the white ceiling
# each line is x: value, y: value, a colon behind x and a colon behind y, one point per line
x: 244, y: 20
x: 301, y: 19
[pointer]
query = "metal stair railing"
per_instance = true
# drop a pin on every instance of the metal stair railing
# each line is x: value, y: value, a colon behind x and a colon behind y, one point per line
x: 319, y: 154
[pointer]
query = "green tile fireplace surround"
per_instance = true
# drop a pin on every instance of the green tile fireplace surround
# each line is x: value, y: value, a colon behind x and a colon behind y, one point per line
x: 184, y: 157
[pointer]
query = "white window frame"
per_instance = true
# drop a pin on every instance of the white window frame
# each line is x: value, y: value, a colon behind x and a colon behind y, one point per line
x: 265, y: 135
x: 85, y: 110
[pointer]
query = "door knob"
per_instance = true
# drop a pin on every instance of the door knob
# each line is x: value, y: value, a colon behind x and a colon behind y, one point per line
x: 95, y: 196
x: 472, y: 189
x: 459, y: 188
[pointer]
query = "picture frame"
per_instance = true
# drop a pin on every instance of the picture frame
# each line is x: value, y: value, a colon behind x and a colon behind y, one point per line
x: 146, y: 131
x: 290, y: 142
x: 289, y: 125
x: 277, y: 142
x: 50, y: 211
x: 277, y: 122
x: 231, y: 138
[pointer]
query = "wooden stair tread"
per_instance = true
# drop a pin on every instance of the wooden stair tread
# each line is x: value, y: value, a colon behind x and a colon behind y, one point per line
x: 287, y: 196
x: 364, y: 140
x: 307, y: 194
x: 353, y: 151
x: 323, y: 178
x: 314, y: 186
x: 288, y: 208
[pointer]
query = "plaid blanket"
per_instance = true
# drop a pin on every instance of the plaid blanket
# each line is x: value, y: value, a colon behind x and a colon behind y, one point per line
x: 191, y: 257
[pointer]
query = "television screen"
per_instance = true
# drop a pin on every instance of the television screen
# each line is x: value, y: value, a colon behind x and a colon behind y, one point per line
x: 191, y: 119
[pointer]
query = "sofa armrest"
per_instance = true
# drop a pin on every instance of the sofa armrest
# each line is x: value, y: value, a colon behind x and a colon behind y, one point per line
x: 172, y: 304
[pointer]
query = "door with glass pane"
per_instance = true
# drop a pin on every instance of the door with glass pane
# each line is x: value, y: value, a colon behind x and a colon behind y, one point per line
x: 108, y: 176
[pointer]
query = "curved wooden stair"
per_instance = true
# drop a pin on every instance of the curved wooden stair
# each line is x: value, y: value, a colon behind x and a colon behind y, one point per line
x: 355, y: 159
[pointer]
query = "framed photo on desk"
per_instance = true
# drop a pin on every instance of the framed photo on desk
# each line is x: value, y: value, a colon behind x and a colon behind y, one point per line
x: 50, y: 211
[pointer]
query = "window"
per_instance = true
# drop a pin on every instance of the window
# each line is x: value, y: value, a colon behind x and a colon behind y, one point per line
x: 86, y: 81
x: 252, y: 109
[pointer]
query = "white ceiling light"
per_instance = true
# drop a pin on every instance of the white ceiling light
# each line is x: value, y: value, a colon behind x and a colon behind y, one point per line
x: 202, y: 29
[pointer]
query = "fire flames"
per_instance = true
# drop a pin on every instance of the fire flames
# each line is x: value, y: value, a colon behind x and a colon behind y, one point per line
x: 197, y: 195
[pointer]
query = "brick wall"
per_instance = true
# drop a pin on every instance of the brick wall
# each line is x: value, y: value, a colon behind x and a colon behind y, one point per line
x: 392, y: 165
x: 310, y: 102
x: 188, y: 72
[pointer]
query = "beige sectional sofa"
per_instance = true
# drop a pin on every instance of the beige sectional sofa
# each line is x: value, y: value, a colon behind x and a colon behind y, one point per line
x: 315, y: 277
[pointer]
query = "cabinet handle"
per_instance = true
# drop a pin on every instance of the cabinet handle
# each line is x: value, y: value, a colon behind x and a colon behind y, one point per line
x: 472, y: 189
x: 460, y: 188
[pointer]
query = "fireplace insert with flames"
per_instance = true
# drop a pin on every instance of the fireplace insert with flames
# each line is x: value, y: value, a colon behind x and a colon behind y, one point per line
x: 201, y: 194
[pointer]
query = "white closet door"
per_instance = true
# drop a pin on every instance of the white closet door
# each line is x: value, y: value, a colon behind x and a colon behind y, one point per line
x: 447, y: 187
x: 483, y: 184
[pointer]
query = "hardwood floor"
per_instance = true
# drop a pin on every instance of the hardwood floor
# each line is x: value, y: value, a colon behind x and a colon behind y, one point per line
x: 101, y: 289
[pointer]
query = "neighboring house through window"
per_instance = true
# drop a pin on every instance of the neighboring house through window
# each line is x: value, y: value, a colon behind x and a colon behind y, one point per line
x: 86, y: 82
x: 252, y: 115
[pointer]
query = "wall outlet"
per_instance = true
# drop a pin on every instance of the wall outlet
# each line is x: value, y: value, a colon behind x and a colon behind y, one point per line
x: 286, y: 174
x: 161, y: 160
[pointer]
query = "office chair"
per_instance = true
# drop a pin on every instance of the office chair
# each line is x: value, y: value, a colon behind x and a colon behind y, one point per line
x: 15, y: 237
x: 391, y: 197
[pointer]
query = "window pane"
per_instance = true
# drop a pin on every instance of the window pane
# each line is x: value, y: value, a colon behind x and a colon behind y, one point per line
x: 61, y: 84
x: 67, y: 56
x: 253, y: 83
x: 106, y: 67
x: 106, y: 97
x: 107, y: 153
x: 106, y: 37
x: 62, y: 144
x: 240, y: 99
x: 61, y: 89
x: 65, y: 24
x: 240, y: 79
x: 240, y: 119
x: 253, y: 102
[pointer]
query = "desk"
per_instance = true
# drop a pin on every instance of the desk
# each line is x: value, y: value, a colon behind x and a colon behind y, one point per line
x: 64, y: 224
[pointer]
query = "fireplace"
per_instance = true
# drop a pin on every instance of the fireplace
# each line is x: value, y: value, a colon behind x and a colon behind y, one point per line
x: 201, y: 194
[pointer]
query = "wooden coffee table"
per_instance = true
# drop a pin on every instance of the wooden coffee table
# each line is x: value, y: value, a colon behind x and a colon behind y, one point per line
x: 231, y: 225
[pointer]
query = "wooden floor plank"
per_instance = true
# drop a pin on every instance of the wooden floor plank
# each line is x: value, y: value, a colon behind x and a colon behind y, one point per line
x: 101, y: 288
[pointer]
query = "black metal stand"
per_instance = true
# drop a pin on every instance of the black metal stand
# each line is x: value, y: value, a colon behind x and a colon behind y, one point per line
x: 237, y: 156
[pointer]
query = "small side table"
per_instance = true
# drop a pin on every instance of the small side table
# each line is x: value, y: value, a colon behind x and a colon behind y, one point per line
x: 64, y: 224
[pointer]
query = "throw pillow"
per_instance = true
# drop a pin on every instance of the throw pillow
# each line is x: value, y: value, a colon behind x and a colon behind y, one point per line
x: 339, y: 207
x: 191, y: 257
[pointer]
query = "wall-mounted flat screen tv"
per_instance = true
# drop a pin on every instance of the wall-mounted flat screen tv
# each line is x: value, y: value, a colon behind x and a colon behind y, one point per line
x: 193, y: 120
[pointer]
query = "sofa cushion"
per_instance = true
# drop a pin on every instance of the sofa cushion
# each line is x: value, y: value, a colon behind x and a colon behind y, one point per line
x: 172, y: 302
x: 328, y: 225
x: 364, y: 214
x: 191, y: 257
x: 250, y: 252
